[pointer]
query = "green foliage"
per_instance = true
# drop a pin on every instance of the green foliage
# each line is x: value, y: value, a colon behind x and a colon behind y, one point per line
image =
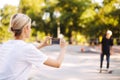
x: 106, y: 17
x: 81, y: 17
x: 69, y: 21
x: 5, y: 15
x: 4, y: 34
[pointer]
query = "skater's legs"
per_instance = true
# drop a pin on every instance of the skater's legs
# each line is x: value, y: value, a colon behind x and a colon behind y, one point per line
x: 108, y: 60
x: 101, y: 60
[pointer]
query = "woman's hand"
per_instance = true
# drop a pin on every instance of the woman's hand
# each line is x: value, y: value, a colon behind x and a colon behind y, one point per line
x: 62, y: 43
x: 46, y: 42
x: 57, y: 63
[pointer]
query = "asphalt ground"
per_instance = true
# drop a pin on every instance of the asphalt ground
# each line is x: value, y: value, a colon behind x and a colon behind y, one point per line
x: 78, y: 65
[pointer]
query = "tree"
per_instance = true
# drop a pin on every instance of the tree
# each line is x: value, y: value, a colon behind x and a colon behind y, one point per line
x: 6, y: 12
x: 71, y: 11
x: 105, y: 17
x: 77, y: 17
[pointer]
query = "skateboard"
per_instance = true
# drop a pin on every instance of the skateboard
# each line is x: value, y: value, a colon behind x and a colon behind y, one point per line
x: 105, y: 71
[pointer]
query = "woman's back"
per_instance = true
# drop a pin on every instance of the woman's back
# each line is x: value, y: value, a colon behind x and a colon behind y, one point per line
x: 11, y: 60
x: 17, y: 56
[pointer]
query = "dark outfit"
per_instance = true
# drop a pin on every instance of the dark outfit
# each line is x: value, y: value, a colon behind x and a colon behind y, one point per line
x: 106, y: 44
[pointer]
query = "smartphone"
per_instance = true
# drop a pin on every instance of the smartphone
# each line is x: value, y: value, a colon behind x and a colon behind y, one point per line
x: 55, y: 41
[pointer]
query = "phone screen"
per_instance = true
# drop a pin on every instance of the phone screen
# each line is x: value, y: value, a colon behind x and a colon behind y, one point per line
x: 55, y: 41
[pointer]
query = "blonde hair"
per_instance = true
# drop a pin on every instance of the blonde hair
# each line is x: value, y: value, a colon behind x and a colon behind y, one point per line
x: 109, y: 32
x: 17, y: 22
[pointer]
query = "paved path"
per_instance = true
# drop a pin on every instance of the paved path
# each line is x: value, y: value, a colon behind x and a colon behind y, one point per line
x: 77, y: 66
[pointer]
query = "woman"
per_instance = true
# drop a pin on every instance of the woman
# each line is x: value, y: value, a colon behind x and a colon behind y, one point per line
x: 17, y: 56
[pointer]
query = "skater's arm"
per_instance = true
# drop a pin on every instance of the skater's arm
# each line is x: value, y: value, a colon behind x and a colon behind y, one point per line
x: 111, y: 50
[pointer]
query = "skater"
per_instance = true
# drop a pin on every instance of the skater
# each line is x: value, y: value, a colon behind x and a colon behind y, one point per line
x: 107, y: 43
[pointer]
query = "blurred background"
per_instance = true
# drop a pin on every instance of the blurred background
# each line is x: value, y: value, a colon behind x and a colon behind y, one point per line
x: 79, y: 21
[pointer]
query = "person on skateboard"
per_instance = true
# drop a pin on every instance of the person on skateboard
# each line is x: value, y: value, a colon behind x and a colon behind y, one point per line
x: 107, y: 44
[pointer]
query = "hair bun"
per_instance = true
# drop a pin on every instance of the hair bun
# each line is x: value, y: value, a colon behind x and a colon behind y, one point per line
x: 11, y: 29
